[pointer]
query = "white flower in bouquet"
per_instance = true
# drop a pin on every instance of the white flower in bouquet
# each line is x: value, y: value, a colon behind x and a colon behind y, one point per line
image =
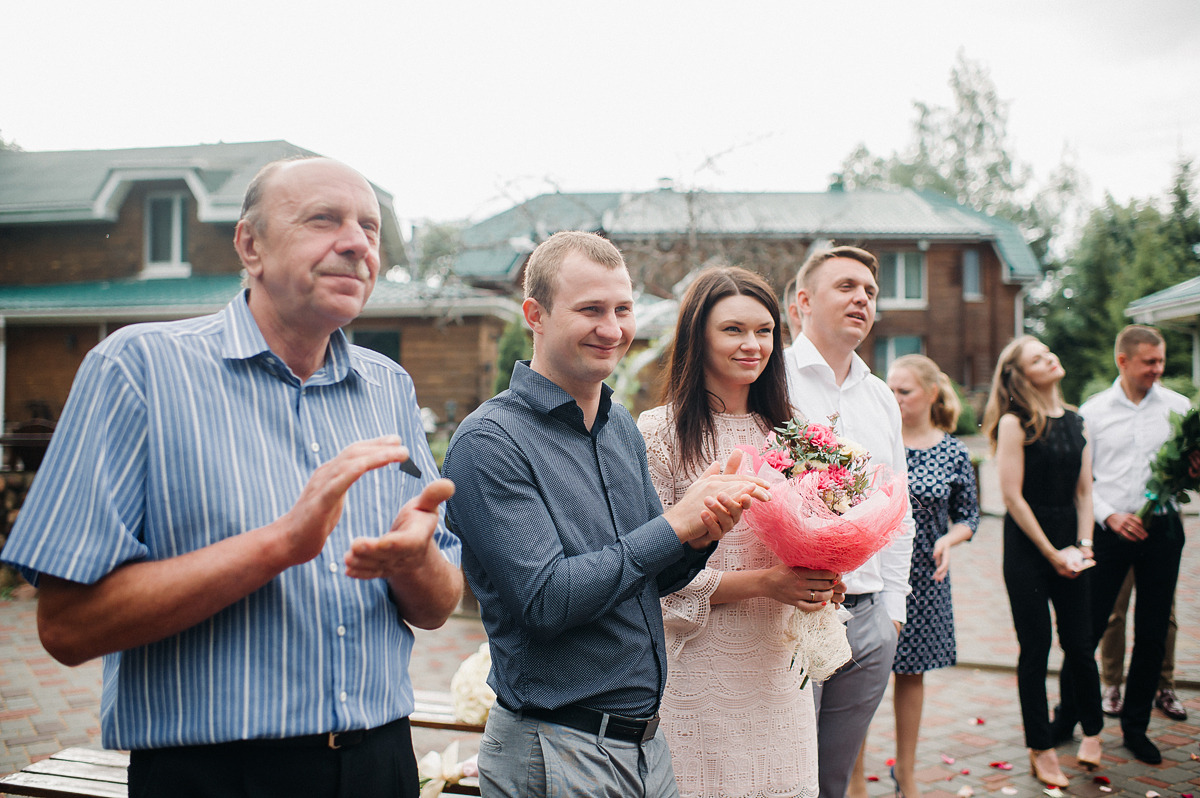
x: 471, y: 696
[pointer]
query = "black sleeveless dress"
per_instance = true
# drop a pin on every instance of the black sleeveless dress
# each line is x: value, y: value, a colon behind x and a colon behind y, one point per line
x: 1052, y: 465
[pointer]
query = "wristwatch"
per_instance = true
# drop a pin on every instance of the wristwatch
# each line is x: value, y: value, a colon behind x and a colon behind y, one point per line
x: 1086, y: 543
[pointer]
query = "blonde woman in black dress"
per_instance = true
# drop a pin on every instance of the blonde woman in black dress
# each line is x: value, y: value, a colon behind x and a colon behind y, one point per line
x: 1044, y: 464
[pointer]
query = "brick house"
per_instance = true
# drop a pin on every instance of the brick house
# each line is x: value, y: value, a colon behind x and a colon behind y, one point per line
x: 952, y: 279
x: 93, y: 240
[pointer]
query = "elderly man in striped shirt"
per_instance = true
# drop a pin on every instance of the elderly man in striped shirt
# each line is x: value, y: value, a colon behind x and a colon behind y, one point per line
x: 229, y: 513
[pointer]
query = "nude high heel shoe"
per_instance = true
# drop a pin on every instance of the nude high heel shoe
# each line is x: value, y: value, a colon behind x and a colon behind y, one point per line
x: 1089, y: 752
x: 1050, y: 779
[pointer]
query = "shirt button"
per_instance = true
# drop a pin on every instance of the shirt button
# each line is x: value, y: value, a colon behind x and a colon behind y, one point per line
x: 341, y: 631
x: 333, y: 568
x: 316, y: 447
x: 342, y: 696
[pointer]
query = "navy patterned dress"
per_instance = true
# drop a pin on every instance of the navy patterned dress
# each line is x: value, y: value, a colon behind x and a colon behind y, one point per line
x: 941, y: 485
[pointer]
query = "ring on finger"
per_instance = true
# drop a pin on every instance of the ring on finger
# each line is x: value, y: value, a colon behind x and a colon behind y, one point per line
x: 812, y: 595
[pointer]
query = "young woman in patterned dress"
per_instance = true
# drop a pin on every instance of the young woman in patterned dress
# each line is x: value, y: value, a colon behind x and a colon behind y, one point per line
x: 734, y: 713
x: 941, y: 485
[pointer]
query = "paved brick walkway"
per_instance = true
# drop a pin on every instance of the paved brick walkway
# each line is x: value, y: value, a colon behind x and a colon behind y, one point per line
x: 45, y: 707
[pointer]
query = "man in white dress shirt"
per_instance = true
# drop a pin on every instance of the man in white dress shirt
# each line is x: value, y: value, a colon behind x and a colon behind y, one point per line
x: 836, y: 292
x: 1127, y: 424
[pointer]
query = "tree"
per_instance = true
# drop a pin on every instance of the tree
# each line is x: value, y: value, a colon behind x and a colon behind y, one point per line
x: 9, y: 145
x: 964, y: 152
x: 1125, y: 252
x: 514, y: 345
x: 437, y: 245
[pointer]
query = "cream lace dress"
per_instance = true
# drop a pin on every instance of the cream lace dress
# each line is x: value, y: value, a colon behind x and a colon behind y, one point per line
x: 736, y: 719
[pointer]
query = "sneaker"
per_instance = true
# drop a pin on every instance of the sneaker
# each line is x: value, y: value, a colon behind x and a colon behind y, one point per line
x: 1170, y: 704
x: 1111, y: 701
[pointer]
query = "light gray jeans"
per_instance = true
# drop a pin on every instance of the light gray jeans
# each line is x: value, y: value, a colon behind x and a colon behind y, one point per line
x: 521, y: 757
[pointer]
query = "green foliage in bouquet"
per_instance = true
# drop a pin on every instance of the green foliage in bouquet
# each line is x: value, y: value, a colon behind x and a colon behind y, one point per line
x: 1170, y: 476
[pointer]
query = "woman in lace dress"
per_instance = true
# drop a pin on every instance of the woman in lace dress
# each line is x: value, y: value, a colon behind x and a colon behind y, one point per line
x: 736, y: 717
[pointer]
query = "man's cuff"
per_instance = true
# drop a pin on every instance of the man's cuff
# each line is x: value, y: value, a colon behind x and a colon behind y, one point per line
x: 896, y: 606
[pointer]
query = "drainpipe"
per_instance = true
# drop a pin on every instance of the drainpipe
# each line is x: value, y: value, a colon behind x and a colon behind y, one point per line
x: 3, y: 367
x: 1195, y: 356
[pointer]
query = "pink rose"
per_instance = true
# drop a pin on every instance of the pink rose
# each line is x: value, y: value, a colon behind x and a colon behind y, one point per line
x: 821, y: 436
x: 778, y: 460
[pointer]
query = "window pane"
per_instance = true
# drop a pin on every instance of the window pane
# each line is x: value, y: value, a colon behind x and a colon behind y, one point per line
x: 881, y: 356
x: 385, y: 342
x: 887, y: 275
x: 159, y: 225
x: 906, y: 345
x: 183, y: 229
x: 971, y: 282
x: 913, y: 284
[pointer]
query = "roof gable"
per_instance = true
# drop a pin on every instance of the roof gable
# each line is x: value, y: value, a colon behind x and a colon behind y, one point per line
x: 91, y: 185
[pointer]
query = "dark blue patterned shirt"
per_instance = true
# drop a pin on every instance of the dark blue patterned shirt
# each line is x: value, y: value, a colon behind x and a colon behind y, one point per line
x: 565, y: 548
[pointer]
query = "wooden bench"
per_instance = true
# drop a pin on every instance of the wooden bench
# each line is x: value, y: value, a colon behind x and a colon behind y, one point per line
x: 94, y: 773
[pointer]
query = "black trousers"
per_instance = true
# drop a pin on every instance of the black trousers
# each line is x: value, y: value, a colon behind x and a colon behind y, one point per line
x: 1155, y: 562
x: 381, y: 765
x: 1033, y: 585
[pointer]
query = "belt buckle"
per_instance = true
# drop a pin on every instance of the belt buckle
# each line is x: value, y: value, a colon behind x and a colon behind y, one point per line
x: 333, y: 740
x: 651, y: 728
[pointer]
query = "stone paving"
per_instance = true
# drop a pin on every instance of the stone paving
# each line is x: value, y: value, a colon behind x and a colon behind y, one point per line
x: 971, y: 717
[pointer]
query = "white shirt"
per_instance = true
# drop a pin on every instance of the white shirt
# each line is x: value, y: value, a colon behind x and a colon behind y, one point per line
x: 868, y: 415
x: 1125, y: 437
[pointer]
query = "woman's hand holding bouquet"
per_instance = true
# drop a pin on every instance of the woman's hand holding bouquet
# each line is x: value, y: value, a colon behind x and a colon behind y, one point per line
x: 830, y: 510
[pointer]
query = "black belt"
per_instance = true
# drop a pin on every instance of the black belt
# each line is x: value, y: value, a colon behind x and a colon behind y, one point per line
x: 334, y: 740
x: 586, y: 719
x: 854, y: 599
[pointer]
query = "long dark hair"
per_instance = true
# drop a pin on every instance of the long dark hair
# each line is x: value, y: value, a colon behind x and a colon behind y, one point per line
x: 684, y: 389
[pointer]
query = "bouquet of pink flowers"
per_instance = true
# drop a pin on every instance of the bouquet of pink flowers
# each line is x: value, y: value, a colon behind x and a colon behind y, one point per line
x: 829, y: 510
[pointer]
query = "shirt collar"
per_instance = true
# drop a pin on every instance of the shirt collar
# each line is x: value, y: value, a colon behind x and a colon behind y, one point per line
x: 808, y: 357
x: 1153, y: 396
x: 243, y: 340
x: 547, y: 398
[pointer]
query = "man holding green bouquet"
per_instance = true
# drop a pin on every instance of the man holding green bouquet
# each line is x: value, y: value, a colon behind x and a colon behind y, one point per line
x: 1127, y: 424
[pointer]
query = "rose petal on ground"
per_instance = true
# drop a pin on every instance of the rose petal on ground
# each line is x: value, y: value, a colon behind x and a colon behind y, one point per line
x: 1151, y: 794
x: 978, y: 721
x: 872, y: 778
x: 889, y: 762
x: 1101, y: 780
x: 1000, y: 765
x: 965, y: 771
x: 1009, y: 790
x: 949, y: 760
x: 1053, y: 792
x: 966, y: 791
x: 1105, y: 789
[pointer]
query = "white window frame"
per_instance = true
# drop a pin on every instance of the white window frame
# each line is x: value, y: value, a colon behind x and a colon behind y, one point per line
x: 889, y: 351
x: 970, y: 257
x: 178, y: 265
x: 900, y: 302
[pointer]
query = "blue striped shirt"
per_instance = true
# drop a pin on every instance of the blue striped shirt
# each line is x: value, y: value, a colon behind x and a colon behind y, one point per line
x: 177, y: 435
x: 566, y: 549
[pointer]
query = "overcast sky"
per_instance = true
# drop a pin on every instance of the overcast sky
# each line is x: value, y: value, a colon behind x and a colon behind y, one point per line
x: 459, y: 109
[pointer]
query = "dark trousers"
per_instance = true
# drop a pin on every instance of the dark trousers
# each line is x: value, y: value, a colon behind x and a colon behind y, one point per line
x: 381, y: 765
x: 1155, y: 563
x: 1033, y: 585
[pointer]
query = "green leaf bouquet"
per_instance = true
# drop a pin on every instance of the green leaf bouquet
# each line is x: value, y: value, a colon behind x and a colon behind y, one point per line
x: 1170, y: 476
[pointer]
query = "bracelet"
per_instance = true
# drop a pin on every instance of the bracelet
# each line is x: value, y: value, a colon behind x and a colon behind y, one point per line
x: 1085, y: 543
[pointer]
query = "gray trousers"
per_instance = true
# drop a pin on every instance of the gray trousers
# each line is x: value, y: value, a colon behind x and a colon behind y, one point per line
x: 522, y: 757
x: 847, y: 701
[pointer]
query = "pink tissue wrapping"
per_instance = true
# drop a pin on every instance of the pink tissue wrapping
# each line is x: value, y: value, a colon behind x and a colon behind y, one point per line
x: 802, y: 531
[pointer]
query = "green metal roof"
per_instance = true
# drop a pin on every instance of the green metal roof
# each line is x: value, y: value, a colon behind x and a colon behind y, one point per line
x: 496, y: 247
x: 131, y: 300
x: 1178, y: 305
x: 90, y: 185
